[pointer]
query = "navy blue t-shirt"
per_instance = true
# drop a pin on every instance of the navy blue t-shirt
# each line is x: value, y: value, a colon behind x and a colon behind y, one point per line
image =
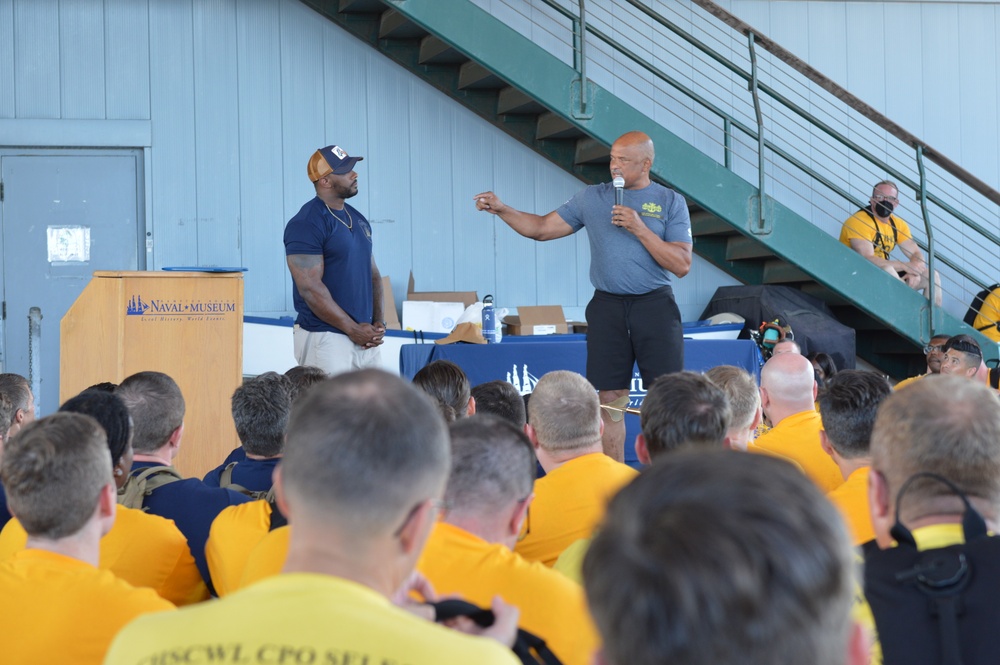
x: 192, y: 505
x: 254, y: 474
x: 347, y: 260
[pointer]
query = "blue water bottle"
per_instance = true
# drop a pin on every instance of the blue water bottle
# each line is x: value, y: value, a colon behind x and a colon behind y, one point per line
x: 489, y: 320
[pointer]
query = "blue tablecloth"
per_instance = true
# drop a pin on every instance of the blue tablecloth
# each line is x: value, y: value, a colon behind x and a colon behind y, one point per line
x: 521, y: 360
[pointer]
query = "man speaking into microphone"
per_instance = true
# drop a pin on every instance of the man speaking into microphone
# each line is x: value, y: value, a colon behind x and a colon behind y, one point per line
x: 635, y: 245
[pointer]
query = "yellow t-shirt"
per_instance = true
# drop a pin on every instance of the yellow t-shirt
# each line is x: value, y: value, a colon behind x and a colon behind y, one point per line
x: 234, y: 533
x: 142, y: 549
x: 989, y: 314
x: 552, y: 607
x: 851, y: 499
x: 300, y: 618
x: 797, y: 438
x: 268, y: 557
x: 569, y: 503
x: 863, y: 226
x: 57, y: 609
x: 906, y: 382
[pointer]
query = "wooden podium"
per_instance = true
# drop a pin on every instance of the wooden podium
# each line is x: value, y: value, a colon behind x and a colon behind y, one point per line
x: 188, y: 325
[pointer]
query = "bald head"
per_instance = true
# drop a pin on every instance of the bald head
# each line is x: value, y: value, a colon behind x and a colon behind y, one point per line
x: 787, y: 384
x: 638, y: 141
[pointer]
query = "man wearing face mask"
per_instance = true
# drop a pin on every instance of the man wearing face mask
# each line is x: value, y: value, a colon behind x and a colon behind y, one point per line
x: 873, y: 232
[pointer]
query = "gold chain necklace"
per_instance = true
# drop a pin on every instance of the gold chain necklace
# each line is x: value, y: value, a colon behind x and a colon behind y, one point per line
x: 349, y: 226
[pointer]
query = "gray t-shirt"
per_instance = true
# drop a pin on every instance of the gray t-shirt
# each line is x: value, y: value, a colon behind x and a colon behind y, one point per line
x: 619, y: 263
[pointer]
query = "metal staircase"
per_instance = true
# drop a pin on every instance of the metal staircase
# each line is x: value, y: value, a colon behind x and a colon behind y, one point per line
x: 550, y: 104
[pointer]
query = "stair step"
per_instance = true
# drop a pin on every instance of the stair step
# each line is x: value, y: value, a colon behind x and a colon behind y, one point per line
x: 473, y: 76
x: 553, y: 126
x: 592, y: 151
x: 434, y: 51
x: 824, y: 293
x: 361, y: 6
x: 741, y: 247
x: 779, y: 271
x: 394, y: 25
x: 704, y: 223
x: 513, y: 100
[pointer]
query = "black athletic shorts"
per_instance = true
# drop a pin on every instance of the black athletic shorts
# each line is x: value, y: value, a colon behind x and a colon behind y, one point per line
x: 622, y: 330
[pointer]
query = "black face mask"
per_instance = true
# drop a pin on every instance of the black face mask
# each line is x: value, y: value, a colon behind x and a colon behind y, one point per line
x: 883, y: 208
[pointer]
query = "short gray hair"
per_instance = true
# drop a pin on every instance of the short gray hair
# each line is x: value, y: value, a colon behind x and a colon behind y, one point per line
x: 565, y: 412
x: 156, y: 405
x: 492, y: 463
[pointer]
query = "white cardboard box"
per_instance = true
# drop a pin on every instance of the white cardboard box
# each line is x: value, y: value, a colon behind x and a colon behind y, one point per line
x: 439, y: 317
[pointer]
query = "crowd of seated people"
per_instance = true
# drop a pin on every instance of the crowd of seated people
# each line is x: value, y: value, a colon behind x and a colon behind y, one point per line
x: 357, y: 506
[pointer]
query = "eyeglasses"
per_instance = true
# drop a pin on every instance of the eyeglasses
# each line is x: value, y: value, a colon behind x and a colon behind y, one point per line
x: 882, y: 197
x: 930, y: 348
x: 437, y: 504
x: 526, y: 526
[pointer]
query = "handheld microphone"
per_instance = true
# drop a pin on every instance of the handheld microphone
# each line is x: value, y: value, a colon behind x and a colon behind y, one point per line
x: 619, y: 184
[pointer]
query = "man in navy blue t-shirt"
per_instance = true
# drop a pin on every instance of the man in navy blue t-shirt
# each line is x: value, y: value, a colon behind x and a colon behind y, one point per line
x: 336, y: 286
x: 634, y: 248
x: 157, y: 408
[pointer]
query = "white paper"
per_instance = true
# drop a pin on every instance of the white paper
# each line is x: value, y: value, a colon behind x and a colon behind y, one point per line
x: 546, y: 329
x: 68, y: 244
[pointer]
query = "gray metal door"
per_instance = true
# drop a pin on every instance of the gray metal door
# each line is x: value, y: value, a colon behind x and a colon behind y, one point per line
x: 63, y: 215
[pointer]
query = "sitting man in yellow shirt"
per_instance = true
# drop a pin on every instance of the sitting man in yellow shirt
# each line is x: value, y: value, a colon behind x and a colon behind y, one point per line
x: 873, y: 232
x: 362, y: 477
x: 788, y: 396
x: 934, y: 352
x: 58, y: 607
x: 933, y: 443
x: 719, y: 558
x: 565, y: 427
x: 744, y: 401
x: 487, y: 502
x: 142, y: 549
x: 849, y: 403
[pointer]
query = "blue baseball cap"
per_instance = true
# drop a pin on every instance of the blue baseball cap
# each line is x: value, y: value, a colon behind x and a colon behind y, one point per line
x: 331, y: 159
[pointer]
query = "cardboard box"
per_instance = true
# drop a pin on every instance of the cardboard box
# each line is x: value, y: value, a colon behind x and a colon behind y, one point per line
x: 540, y: 320
x: 438, y: 317
x: 389, y: 306
x: 467, y: 298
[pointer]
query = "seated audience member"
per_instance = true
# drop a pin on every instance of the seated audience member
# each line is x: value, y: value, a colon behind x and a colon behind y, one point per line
x: 717, y: 558
x: 447, y: 385
x: 362, y: 514
x: 787, y: 396
x: 680, y: 410
x: 744, y: 401
x: 873, y: 232
x: 565, y: 426
x: 787, y: 345
x: 300, y: 378
x: 57, y: 606
x: 142, y: 549
x: 260, y: 410
x: 934, y: 352
x: 303, y: 377
x: 823, y: 366
x: 849, y: 404
x: 502, y: 399
x: 940, y: 430
x: 157, y: 408
x: 18, y: 391
x: 962, y: 357
x: 6, y: 417
x: 486, y: 503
